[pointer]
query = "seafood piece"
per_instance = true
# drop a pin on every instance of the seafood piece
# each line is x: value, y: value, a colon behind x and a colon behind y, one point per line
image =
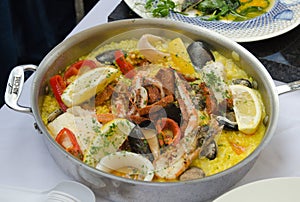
x: 173, y: 112
x: 139, y: 97
x: 107, y: 57
x: 211, y: 104
x: 138, y: 142
x: 228, y: 124
x: 244, y: 82
x: 192, y: 174
x: 145, y: 131
x: 156, y: 106
x: 184, y: 5
x: 120, y: 100
x: 169, y: 131
x: 210, y: 151
x: 127, y: 164
x: 199, y: 97
x: 166, y: 77
x: 104, y: 95
x: 54, y: 115
x: 199, y: 54
x: 152, y: 81
x: 186, y: 105
x: 132, y: 99
x: 177, y: 158
x: 147, y: 47
x: 153, y: 94
x: 138, y: 119
x: 106, y: 117
x: 214, y: 76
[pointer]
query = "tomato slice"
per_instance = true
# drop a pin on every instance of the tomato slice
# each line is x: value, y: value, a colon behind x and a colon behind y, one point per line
x: 125, y: 66
x: 58, y: 86
x: 68, y: 141
x: 74, y: 68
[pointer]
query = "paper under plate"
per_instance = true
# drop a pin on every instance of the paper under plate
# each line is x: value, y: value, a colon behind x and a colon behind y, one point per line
x: 273, y: 190
x: 283, y: 17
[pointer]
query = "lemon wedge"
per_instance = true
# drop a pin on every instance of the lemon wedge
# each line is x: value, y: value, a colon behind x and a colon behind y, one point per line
x: 108, y: 140
x: 247, y: 108
x: 180, y: 57
x: 87, y: 85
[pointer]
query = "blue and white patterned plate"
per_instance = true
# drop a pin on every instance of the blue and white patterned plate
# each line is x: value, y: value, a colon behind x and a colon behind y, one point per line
x: 281, y: 18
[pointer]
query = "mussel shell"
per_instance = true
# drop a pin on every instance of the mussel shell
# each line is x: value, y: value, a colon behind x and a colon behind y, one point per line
x: 244, y: 82
x: 137, y: 141
x: 210, y: 151
x: 118, y: 160
x: 228, y: 124
x: 173, y: 112
x: 147, y: 124
x: 192, y: 173
x: 199, y: 54
x: 107, y: 57
x: 54, y: 115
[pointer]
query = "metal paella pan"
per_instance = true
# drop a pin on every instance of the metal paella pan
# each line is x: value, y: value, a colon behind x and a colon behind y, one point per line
x: 119, y: 188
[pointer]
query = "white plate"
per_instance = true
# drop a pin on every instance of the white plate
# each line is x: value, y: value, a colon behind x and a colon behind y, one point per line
x: 274, y: 190
x: 283, y: 17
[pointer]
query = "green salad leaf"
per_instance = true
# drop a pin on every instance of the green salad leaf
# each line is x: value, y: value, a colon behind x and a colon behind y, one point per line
x: 159, y: 8
x: 213, y: 9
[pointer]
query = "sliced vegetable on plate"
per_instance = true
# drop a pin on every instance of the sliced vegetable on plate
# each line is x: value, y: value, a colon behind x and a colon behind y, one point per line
x: 237, y: 10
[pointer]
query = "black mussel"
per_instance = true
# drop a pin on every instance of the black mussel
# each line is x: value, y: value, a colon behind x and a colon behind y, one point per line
x: 147, y: 124
x: 192, y: 174
x: 228, y: 124
x: 143, y: 140
x: 173, y: 112
x: 206, y: 135
x: 210, y: 151
x: 138, y: 142
x: 199, y: 54
x: 107, y: 57
x: 202, y: 131
x: 125, y: 146
x: 244, y: 82
x: 54, y: 115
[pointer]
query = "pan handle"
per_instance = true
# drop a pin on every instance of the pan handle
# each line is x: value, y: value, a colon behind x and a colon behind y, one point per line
x: 289, y: 87
x: 15, y: 86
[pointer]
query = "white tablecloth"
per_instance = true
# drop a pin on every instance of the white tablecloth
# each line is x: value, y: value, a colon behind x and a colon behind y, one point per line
x: 25, y: 161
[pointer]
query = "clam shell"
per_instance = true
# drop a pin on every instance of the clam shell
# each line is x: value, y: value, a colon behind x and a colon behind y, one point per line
x: 125, y: 159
